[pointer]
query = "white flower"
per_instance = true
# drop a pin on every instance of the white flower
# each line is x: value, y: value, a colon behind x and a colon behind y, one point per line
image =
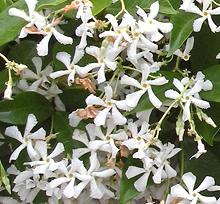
x: 97, y: 188
x: 120, y: 31
x: 205, y: 13
x: 109, y: 104
x: 106, y: 58
x: 188, y: 95
x: 48, y: 31
x: 47, y: 163
x: 145, y: 86
x: 191, y: 194
x: 68, y: 177
x: 8, y: 91
x: 133, y: 171
x: 185, y: 54
x: 28, y: 140
x: 72, y: 68
x: 34, y: 18
x: 106, y: 140
x: 40, y: 77
x: 164, y: 170
x: 151, y: 26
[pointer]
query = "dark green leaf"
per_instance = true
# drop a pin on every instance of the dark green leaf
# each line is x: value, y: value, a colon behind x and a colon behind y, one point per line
x: 212, y: 74
x: 10, y: 25
x: 127, y: 189
x: 205, y: 49
x: 4, y: 4
x: 182, y: 28
x: 64, y: 130
x: 3, y: 79
x: 17, y: 110
x: 23, y: 52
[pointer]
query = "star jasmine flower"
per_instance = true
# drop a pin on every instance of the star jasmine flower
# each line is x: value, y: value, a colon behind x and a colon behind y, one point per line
x: 94, y: 177
x: 145, y: 86
x: 72, y: 68
x: 120, y: 31
x: 34, y: 18
x: 185, y: 55
x: 187, y: 96
x: 47, y: 163
x: 108, y: 104
x: 201, y: 149
x: 48, y: 31
x: 106, y: 141
x: 40, y: 77
x: 133, y: 171
x: 189, y: 193
x: 68, y: 178
x: 206, y: 14
x: 106, y: 58
x: 151, y: 26
x: 29, y: 140
x: 164, y: 170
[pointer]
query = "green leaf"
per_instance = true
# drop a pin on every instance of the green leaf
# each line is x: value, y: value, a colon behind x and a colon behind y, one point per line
x: 64, y: 130
x: 182, y: 28
x: 205, y: 49
x: 206, y: 164
x: 74, y: 98
x: 10, y: 25
x: 145, y: 104
x: 3, y: 79
x: 165, y: 6
x: 23, y: 52
x: 42, y: 4
x: 127, y: 189
x: 4, y: 178
x: 98, y: 5
x: 212, y: 74
x: 17, y: 110
x: 4, y: 4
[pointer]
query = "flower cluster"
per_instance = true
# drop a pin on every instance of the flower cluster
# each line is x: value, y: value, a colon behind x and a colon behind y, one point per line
x: 117, y: 135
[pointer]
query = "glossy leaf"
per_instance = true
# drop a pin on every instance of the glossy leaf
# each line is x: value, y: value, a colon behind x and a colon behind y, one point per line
x: 10, y: 25
x: 98, y: 5
x: 16, y: 111
x: 3, y: 79
x: 49, y: 3
x: 64, y: 130
x: 127, y: 189
x: 182, y: 28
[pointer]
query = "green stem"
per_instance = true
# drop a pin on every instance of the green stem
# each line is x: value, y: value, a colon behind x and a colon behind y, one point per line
x: 182, y: 159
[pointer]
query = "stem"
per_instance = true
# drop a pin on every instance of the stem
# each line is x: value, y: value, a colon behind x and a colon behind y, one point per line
x: 123, y: 9
x: 181, y: 159
x: 176, y: 68
x: 157, y: 129
x: 131, y: 68
x: 4, y: 58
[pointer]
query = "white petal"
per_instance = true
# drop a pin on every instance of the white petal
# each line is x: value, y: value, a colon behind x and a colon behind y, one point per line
x: 58, y: 150
x: 95, y: 190
x: 154, y: 9
x: 58, y: 181
x: 31, y: 5
x: 153, y: 99
x: 17, y: 151
x: 18, y: 13
x: 172, y: 94
x: 69, y: 190
x: 101, y: 117
x: 200, y: 103
x: 197, y: 25
x: 38, y: 135
x: 179, y: 191
x: 134, y: 171
x: 133, y: 98
x: 62, y: 38
x: 31, y: 122
x: 118, y: 118
x: 60, y: 73
x: 141, y: 183
x: 42, y: 46
x: 31, y: 151
x: 130, y: 81
x: 94, y: 100
x: 105, y: 173
x: 189, y: 179
x: 206, y: 183
x: 178, y: 84
x: 13, y: 132
x: 65, y: 58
